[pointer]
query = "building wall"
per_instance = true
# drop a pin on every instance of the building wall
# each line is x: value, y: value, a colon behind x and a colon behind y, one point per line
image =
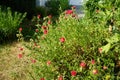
x: 75, y: 2
x: 40, y: 2
x: 71, y: 2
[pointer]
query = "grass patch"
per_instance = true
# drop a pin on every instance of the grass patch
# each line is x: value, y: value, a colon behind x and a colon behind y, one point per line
x: 11, y: 67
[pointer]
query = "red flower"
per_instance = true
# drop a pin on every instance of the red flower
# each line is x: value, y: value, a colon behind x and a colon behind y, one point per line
x: 93, y: 62
x: 95, y: 71
x: 44, y: 27
x: 62, y: 39
x: 100, y: 50
x: 38, y: 16
x: 21, y: 49
x: 36, y: 30
x: 45, y: 31
x: 83, y: 64
x: 73, y: 73
x: 20, y: 29
x: 73, y: 7
x: 49, y: 22
x: 60, y: 78
x: 42, y: 79
x: 48, y: 63
x: 20, y: 56
x: 69, y: 12
x: 33, y: 60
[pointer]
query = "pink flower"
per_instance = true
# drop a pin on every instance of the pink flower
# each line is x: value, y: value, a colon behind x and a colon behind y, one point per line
x: 20, y: 29
x: 69, y: 12
x: 95, y: 71
x: 93, y: 62
x: 45, y: 31
x: 38, y: 16
x: 42, y: 79
x: 83, y: 64
x: 20, y: 56
x: 49, y: 22
x: 60, y: 78
x: 33, y: 60
x: 73, y: 73
x: 100, y: 50
x: 62, y: 39
x: 48, y: 63
x: 44, y: 27
x: 36, y: 30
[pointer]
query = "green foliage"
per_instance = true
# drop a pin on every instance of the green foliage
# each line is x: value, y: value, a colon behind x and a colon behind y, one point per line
x: 9, y: 22
x: 107, y: 13
x: 53, y: 6
x: 113, y: 42
x: 42, y: 11
x: 103, y: 11
x: 69, y: 44
x: 64, y: 4
x: 75, y: 49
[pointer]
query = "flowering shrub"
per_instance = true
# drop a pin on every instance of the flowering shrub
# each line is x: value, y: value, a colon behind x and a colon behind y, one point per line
x: 73, y: 49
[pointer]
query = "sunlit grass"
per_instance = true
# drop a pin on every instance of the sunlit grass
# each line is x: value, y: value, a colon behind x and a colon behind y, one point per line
x: 11, y: 67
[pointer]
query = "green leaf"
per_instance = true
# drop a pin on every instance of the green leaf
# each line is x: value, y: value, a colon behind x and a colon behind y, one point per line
x: 113, y: 39
x: 106, y: 48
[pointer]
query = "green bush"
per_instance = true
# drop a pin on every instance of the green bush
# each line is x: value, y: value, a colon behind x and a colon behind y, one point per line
x: 9, y: 22
x: 73, y: 49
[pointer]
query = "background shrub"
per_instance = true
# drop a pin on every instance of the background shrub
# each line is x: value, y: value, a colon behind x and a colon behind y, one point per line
x: 9, y: 23
x: 56, y: 6
x: 42, y: 11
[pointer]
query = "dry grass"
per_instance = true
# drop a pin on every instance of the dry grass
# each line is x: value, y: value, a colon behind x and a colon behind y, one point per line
x: 11, y: 67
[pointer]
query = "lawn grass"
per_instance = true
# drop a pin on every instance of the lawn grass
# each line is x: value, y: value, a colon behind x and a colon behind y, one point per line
x: 11, y: 67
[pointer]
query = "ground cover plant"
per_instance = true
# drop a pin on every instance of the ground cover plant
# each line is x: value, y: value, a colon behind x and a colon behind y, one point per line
x: 75, y: 49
